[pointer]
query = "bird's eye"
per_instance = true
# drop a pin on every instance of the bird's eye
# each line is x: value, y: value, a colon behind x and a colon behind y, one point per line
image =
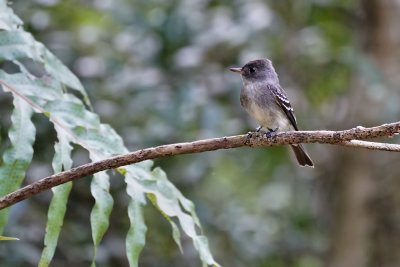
x: 252, y: 69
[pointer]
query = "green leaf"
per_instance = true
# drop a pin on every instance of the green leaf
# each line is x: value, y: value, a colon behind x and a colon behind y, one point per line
x: 70, y: 113
x: 136, y: 237
x: 169, y: 201
x: 99, y: 217
x: 55, y: 217
x: 176, y: 233
x: 8, y: 20
x: 39, y: 89
x: 201, y: 244
x: 61, y: 73
x: 17, y: 45
x: 18, y: 156
x: 101, y: 140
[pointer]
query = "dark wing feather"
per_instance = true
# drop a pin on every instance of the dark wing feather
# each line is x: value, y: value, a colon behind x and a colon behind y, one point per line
x: 283, y: 102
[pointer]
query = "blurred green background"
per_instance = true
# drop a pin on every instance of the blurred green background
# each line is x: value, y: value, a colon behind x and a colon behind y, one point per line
x: 157, y: 71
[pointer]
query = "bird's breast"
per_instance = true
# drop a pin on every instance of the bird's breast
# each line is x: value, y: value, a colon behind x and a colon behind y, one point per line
x: 267, y: 113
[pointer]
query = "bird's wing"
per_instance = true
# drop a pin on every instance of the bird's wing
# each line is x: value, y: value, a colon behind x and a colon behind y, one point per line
x: 283, y: 102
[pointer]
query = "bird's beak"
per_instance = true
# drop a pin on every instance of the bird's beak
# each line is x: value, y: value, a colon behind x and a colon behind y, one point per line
x: 237, y: 70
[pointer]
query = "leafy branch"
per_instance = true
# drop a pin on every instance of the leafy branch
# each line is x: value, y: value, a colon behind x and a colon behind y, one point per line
x: 49, y: 91
x: 348, y: 137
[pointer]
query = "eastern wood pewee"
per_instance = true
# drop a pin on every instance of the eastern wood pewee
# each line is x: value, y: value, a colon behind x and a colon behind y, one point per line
x: 266, y: 101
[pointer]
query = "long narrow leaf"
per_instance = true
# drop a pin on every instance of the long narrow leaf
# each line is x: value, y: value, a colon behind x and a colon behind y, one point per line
x: 176, y: 234
x: 18, y: 156
x: 136, y: 237
x: 99, y: 217
x: 61, y: 161
x: 169, y: 201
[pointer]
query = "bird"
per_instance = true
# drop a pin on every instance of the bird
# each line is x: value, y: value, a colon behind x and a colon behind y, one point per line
x: 264, y: 99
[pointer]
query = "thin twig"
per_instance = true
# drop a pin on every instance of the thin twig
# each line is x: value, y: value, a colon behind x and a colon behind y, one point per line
x: 343, y: 138
x: 373, y: 145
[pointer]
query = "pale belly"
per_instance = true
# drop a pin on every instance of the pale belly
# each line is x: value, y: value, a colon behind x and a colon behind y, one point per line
x: 270, y: 119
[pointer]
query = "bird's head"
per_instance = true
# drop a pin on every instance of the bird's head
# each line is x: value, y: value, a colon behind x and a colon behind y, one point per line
x: 257, y: 70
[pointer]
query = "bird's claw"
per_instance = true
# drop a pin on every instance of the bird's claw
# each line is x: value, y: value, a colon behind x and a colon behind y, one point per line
x: 255, y: 134
x: 271, y: 133
x: 248, y: 137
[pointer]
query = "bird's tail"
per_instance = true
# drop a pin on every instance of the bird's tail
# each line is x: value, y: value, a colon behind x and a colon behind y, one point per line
x: 301, y: 156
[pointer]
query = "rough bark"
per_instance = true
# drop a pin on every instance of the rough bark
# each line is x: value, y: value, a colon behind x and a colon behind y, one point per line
x: 342, y: 138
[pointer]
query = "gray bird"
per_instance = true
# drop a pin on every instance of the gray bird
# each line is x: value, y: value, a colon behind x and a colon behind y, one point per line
x: 266, y: 101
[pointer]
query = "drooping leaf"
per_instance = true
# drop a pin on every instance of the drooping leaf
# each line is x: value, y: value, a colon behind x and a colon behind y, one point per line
x: 55, y: 216
x: 170, y: 201
x: 135, y: 239
x: 17, y: 157
x: 99, y: 217
x: 176, y: 234
x: 201, y: 244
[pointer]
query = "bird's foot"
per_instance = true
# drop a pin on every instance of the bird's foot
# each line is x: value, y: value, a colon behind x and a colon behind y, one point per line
x: 255, y: 134
x: 271, y: 133
x: 248, y: 137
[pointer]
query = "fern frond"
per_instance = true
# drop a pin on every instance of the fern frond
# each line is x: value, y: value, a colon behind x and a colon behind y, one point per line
x: 75, y: 123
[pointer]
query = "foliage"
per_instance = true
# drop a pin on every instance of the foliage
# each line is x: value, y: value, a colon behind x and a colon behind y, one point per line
x: 51, y: 94
x: 157, y: 72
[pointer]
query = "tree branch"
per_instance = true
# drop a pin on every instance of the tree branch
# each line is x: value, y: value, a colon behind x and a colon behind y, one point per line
x: 343, y: 138
x: 373, y: 145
